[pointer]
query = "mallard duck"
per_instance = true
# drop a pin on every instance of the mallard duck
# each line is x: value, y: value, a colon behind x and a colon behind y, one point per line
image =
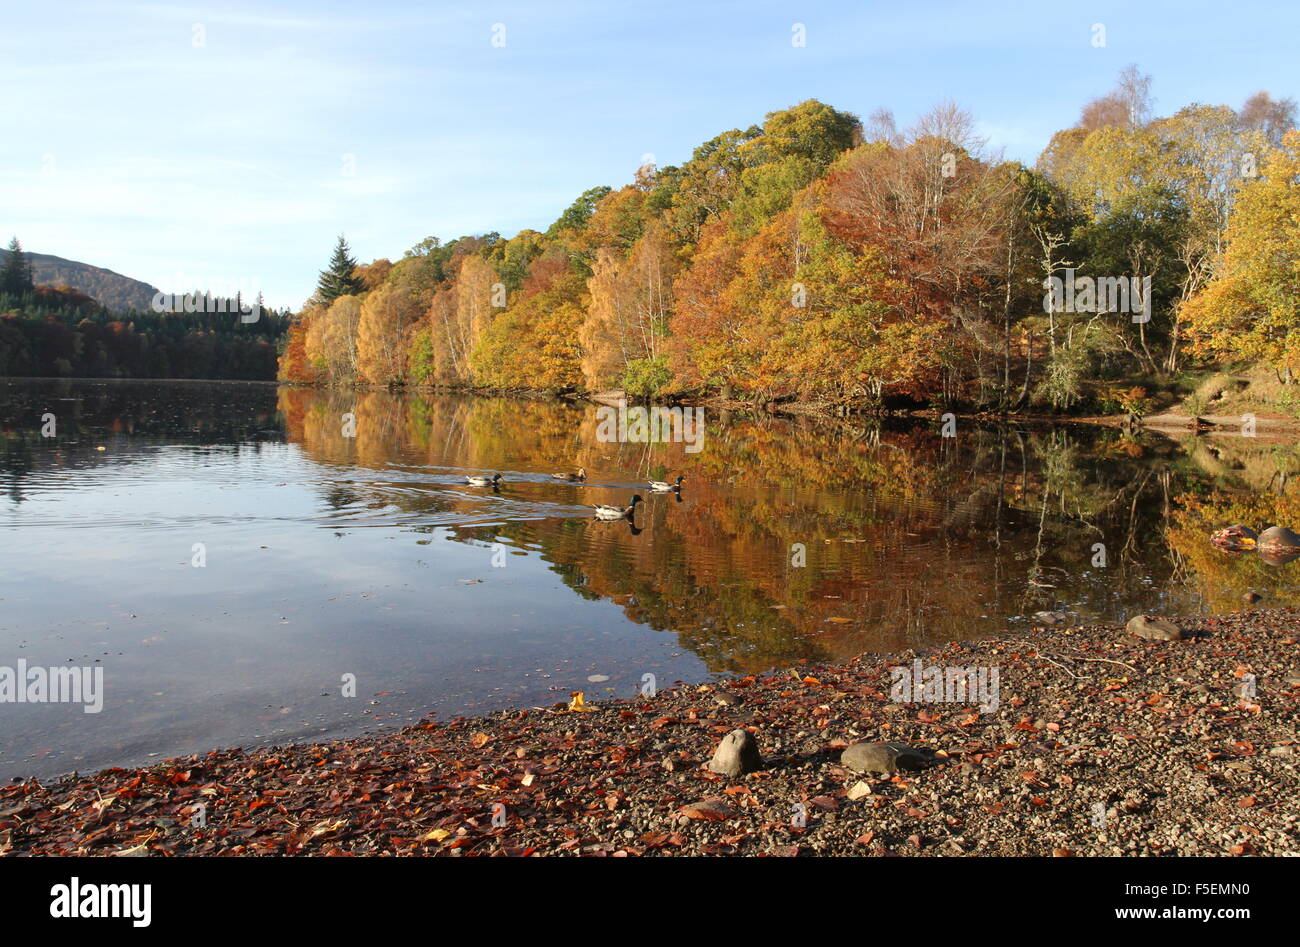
x: 580, y: 475
x: 483, y: 480
x: 606, y: 512
x: 659, y: 486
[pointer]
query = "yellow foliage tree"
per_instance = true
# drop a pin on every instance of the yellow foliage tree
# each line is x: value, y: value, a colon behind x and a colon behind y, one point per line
x: 534, y: 343
x: 387, y: 315
x: 457, y: 316
x: 332, y: 340
x: 627, y: 318
x: 1251, y: 310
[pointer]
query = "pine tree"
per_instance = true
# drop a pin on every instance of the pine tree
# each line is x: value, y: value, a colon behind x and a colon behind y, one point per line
x: 16, y: 271
x: 340, y: 279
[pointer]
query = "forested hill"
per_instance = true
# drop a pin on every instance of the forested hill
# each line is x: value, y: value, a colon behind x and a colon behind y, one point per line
x: 112, y: 290
x: 822, y: 258
x: 59, y: 330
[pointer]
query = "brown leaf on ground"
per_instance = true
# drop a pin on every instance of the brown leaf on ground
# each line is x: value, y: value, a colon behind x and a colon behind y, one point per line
x: 709, y: 810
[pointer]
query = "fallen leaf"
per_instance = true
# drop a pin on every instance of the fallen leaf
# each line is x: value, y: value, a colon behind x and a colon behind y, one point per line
x: 576, y: 702
x: 709, y: 810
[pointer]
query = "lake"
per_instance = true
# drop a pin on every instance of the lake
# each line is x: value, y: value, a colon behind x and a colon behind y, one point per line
x: 240, y: 558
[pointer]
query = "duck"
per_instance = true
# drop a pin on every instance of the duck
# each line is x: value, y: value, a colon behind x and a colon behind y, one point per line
x: 580, y: 475
x: 606, y: 512
x: 483, y: 480
x: 659, y: 486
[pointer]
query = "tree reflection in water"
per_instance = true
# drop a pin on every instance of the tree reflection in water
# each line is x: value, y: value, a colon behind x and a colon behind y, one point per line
x: 908, y: 538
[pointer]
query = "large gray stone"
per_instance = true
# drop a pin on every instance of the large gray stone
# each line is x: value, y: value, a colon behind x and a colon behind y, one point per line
x: 736, y: 754
x: 1278, y: 537
x: 882, y: 757
x: 1155, y: 629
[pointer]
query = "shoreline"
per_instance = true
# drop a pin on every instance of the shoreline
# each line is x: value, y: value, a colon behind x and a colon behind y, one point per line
x: 1171, y: 421
x: 1269, y: 425
x: 1101, y: 743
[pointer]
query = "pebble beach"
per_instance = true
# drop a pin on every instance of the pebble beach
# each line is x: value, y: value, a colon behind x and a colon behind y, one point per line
x: 1096, y: 742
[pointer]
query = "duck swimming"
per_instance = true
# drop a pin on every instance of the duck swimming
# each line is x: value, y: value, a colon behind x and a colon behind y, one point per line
x: 606, y: 512
x: 580, y: 475
x: 483, y: 480
x: 660, y: 486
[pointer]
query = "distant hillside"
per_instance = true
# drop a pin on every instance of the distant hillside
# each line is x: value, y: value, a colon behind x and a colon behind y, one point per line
x: 113, y: 290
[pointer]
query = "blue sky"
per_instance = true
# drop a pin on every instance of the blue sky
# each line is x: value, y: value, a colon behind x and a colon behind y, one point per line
x: 225, y: 145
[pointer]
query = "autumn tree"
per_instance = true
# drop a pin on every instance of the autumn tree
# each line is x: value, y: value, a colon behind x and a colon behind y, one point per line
x: 1164, y: 191
x: 533, y: 344
x: 935, y: 208
x: 331, y: 340
x: 387, y: 317
x: 1128, y: 105
x: 628, y: 315
x: 374, y: 273
x: 814, y: 257
x: 932, y: 207
x: 603, y: 358
x: 576, y: 215
x: 709, y: 332
x: 294, y: 366
x: 704, y: 186
x: 1251, y: 310
x: 1271, y: 117
x: 847, y: 341
x: 462, y: 316
x: 512, y: 258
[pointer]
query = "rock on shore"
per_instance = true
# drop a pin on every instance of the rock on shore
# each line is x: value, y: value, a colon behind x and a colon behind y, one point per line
x: 882, y: 757
x: 1156, y: 629
x: 737, y: 754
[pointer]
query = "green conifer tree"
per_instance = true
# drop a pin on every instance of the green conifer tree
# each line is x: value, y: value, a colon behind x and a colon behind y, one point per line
x: 340, y: 279
x: 16, y: 271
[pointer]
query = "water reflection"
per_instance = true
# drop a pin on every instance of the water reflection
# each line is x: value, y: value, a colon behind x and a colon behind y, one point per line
x: 790, y: 540
x: 341, y: 537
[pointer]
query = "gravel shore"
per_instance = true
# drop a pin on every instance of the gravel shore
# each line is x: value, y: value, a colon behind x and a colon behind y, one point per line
x: 1101, y: 743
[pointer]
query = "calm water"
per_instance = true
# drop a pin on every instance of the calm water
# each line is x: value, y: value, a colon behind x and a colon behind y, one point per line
x: 329, y: 555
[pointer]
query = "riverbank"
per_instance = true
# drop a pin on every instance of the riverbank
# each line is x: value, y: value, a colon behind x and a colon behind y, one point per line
x: 1172, y: 420
x: 1100, y: 743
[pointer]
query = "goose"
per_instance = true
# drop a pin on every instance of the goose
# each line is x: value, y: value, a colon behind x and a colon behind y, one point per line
x: 659, y: 486
x: 580, y: 475
x: 606, y: 512
x: 483, y: 480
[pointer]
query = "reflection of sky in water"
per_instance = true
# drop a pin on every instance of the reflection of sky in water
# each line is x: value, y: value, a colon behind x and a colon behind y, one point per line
x: 95, y: 565
x: 372, y: 557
